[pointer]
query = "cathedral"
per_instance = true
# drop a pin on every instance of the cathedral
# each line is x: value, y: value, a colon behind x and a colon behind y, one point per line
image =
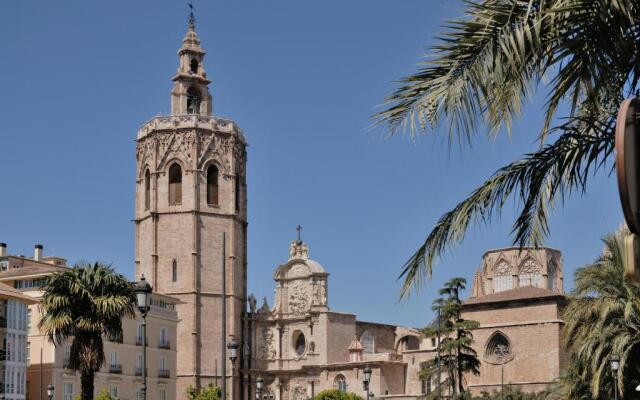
x: 191, y: 245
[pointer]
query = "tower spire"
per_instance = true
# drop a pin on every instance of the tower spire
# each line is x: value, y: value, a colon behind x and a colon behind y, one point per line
x: 190, y: 94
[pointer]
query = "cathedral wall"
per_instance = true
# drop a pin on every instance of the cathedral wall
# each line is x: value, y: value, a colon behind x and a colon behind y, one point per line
x: 413, y: 361
x: 385, y: 335
x: 535, y: 348
x: 492, y: 313
x: 339, y: 330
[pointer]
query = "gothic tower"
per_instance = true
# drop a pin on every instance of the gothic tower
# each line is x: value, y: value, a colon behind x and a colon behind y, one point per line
x: 190, y: 199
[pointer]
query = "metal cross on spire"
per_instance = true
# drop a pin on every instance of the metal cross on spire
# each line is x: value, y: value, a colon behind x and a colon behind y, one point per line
x: 299, y: 229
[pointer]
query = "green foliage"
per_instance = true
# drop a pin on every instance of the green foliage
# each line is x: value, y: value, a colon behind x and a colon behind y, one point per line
x: 104, y: 395
x: 84, y: 304
x: 486, y: 67
x: 456, y: 355
x: 602, y: 319
x: 510, y: 393
x: 335, y: 394
x: 210, y: 392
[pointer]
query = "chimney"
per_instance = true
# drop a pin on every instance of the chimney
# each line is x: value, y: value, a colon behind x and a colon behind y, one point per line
x: 37, y: 252
x: 3, y: 249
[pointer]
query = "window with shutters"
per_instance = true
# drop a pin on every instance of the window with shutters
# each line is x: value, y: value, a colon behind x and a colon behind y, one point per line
x: 175, y: 184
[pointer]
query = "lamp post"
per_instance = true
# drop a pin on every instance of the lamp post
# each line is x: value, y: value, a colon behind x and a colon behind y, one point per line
x: 232, y: 346
x: 50, y: 390
x: 367, y: 379
x: 143, y: 291
x: 259, y: 383
x: 371, y: 396
x: 615, y: 365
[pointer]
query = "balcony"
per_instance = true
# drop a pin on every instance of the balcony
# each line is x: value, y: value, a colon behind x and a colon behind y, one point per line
x: 138, y: 371
x: 139, y: 341
x: 3, y: 355
x: 164, y: 344
x: 115, y: 368
x: 66, y: 364
x: 3, y: 322
x: 164, y: 373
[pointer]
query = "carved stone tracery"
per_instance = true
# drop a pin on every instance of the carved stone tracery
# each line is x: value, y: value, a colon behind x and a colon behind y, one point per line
x: 298, y: 299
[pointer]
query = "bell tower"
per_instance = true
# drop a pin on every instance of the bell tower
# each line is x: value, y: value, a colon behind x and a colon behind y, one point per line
x: 191, y: 222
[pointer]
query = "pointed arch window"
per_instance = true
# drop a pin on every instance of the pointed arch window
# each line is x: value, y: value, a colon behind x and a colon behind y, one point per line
x: 529, y: 274
x: 552, y: 274
x: 340, y: 383
x: 175, y: 184
x: 193, y: 66
x: 174, y: 271
x: 212, y: 185
x: 147, y: 189
x: 498, y: 349
x: 502, y: 279
x: 193, y: 100
x: 368, y: 342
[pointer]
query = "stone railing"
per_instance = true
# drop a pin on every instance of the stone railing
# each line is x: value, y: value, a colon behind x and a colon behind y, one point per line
x: 189, y: 121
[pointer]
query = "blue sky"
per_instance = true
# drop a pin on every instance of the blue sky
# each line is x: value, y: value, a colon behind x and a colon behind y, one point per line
x: 302, y: 79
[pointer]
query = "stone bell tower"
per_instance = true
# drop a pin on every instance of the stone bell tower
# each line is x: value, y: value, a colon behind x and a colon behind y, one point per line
x: 191, y: 222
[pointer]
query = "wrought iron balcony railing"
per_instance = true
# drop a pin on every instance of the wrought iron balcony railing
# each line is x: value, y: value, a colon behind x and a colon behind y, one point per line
x: 164, y: 373
x: 164, y: 344
x: 115, y: 368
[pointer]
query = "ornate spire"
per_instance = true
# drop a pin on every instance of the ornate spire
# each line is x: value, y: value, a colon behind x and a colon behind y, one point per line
x: 298, y: 249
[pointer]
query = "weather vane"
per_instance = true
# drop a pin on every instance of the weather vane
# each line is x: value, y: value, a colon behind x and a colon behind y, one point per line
x: 299, y: 229
x: 191, y: 17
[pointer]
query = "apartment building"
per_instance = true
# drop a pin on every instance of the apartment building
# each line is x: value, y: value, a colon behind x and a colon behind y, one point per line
x: 121, y: 374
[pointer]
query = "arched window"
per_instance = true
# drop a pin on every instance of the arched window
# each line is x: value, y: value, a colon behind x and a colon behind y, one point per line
x: 175, y: 184
x: 529, y: 274
x: 194, y: 66
x: 147, y: 189
x: 237, y: 193
x: 498, y: 349
x: 368, y: 342
x: 340, y: 383
x: 552, y: 275
x: 300, y: 344
x: 174, y: 271
x: 193, y: 101
x: 212, y: 185
x: 502, y: 279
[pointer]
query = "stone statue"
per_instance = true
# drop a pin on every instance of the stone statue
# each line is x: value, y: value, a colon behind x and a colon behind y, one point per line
x: 252, y: 303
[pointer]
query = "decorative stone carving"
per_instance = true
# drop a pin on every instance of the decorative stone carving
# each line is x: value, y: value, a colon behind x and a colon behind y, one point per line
x: 298, y: 299
x: 176, y: 144
x: 265, y: 306
x: 498, y: 349
x: 323, y: 292
x: 298, y: 250
x: 299, y: 391
x: 252, y: 303
x: 529, y: 266
x: 268, y: 348
x: 218, y: 148
x: 503, y: 269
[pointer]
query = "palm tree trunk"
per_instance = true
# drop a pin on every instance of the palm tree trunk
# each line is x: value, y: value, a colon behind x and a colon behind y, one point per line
x: 86, y: 382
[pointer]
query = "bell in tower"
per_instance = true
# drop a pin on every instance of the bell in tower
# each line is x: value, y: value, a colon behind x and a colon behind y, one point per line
x: 191, y: 222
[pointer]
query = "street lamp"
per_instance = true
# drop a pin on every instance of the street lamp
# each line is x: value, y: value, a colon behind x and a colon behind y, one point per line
x: 367, y: 379
x: 232, y: 346
x: 259, y: 383
x: 50, y: 390
x: 615, y: 366
x: 372, y: 396
x: 143, y: 291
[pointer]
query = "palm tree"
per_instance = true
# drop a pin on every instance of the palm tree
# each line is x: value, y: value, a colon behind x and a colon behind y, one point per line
x: 602, y: 319
x: 486, y: 67
x: 86, y: 303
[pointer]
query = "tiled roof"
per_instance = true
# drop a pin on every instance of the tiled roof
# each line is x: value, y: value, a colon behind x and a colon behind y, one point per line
x: 7, y: 291
x: 31, y: 270
x: 521, y: 293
